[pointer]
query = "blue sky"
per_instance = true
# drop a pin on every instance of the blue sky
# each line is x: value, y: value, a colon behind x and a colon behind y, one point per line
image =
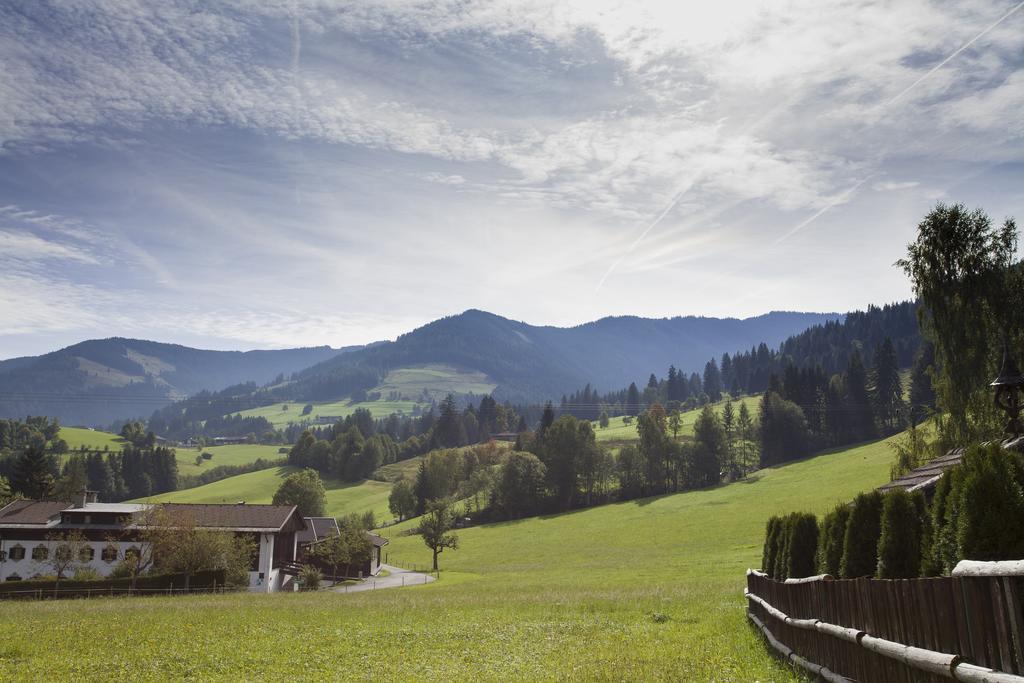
x: 270, y: 174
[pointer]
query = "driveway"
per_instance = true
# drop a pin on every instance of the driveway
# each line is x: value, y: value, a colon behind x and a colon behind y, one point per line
x: 399, y: 578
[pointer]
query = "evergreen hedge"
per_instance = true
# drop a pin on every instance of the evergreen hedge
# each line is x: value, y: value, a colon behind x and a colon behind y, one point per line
x: 143, y: 585
x: 990, y: 520
x: 899, y: 543
x: 771, y: 545
x: 830, y: 544
x: 860, y: 543
x: 802, y: 549
x: 782, y: 555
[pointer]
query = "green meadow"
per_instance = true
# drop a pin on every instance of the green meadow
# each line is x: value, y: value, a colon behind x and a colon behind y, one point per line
x: 410, y: 384
x: 259, y: 487
x: 618, y: 430
x: 92, y: 439
x: 437, y: 380
x: 240, y: 454
x: 281, y: 415
x: 641, y: 590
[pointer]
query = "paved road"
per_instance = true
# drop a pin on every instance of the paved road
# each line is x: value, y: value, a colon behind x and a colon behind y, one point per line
x: 399, y: 578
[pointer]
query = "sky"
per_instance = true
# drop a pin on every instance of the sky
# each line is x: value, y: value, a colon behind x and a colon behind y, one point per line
x: 270, y: 174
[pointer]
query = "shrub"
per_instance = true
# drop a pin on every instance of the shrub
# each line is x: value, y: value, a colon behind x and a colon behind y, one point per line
x: 860, y: 543
x: 782, y: 548
x: 942, y: 555
x: 124, y: 569
x: 924, y: 517
x: 830, y: 540
x: 771, y: 540
x: 899, y: 543
x: 991, y: 505
x: 87, y: 574
x: 309, y: 578
x: 802, y: 546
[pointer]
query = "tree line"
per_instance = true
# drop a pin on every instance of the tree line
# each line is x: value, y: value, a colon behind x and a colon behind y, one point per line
x: 827, y: 349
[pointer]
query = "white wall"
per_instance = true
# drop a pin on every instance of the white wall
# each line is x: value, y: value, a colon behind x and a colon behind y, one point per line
x: 26, y: 568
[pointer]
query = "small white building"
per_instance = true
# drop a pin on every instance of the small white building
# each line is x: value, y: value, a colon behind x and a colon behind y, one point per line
x: 30, y: 532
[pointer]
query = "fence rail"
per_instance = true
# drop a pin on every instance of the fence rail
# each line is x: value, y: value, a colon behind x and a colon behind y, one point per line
x: 64, y: 593
x: 968, y: 628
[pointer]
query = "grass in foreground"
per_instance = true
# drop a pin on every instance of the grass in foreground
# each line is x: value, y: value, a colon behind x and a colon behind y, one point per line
x: 574, y: 596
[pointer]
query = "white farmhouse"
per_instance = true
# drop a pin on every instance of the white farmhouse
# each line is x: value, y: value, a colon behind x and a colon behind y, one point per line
x: 29, y: 533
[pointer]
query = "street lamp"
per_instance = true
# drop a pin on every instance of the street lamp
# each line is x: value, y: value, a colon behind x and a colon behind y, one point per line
x: 1009, y: 385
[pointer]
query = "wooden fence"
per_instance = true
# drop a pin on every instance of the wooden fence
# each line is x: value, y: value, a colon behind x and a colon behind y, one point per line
x: 963, y: 627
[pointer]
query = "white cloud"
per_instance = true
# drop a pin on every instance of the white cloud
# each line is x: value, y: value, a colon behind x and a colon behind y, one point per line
x: 894, y: 185
x: 443, y: 178
x: 21, y: 246
x: 695, y: 66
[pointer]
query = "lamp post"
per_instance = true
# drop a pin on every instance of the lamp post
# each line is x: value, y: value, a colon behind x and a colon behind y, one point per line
x: 1008, y: 386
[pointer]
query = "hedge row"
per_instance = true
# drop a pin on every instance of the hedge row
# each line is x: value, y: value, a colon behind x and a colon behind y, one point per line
x: 199, y: 581
x: 977, y: 513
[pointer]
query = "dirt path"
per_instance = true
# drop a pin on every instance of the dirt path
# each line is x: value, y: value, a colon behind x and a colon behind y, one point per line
x: 399, y: 578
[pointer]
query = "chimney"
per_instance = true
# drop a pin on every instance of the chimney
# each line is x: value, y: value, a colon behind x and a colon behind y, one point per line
x: 89, y: 496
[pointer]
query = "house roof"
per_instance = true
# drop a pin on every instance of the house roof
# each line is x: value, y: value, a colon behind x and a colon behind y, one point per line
x: 31, y: 512
x: 928, y: 475
x: 115, y: 508
x: 378, y: 541
x: 317, y: 529
x: 239, y: 517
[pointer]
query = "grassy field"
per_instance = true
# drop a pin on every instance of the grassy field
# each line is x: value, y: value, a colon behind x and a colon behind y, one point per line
x: 409, y: 383
x: 437, y: 380
x: 617, y: 430
x: 92, y: 439
x: 398, y: 470
x: 259, y: 487
x: 644, y: 590
x: 240, y: 454
x: 282, y: 414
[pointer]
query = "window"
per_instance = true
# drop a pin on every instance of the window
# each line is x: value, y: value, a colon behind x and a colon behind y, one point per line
x: 132, y: 552
x: 86, y: 554
x: 40, y: 553
x: 17, y: 553
x: 109, y: 553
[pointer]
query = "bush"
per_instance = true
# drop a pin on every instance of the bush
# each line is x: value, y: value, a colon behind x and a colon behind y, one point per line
x: 802, y: 545
x: 860, y: 543
x: 924, y: 517
x: 899, y: 543
x: 830, y: 540
x: 782, y: 548
x: 124, y: 569
x: 309, y: 578
x: 942, y: 556
x: 771, y: 542
x: 990, y: 520
x: 87, y: 574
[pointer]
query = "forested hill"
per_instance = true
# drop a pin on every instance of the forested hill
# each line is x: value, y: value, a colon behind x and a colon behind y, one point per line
x: 99, y: 381
x: 535, y: 363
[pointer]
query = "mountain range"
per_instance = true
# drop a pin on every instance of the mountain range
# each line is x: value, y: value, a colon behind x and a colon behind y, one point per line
x: 531, y: 363
x: 98, y: 381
